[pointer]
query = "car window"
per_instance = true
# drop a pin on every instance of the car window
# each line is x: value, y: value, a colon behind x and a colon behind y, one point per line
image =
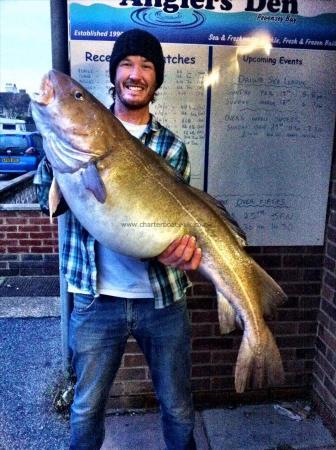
x: 13, y: 142
x: 8, y: 126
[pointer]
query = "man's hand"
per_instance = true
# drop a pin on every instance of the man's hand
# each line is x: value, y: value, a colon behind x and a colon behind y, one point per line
x: 182, y: 254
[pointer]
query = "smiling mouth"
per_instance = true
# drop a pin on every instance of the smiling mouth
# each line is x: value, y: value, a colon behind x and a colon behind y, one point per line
x: 134, y: 88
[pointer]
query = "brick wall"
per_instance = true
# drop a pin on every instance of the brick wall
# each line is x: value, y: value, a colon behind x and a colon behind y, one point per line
x: 325, y: 363
x: 28, y: 244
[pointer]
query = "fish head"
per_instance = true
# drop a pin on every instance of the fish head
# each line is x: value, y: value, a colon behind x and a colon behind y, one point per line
x: 72, y: 122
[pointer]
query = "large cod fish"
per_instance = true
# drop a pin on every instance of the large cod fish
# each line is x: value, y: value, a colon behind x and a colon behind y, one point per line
x: 108, y: 178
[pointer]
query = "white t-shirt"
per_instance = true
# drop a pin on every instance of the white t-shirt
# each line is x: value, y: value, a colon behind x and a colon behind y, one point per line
x: 119, y: 275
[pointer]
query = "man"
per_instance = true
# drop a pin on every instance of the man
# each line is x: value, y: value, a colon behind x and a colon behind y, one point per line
x: 116, y: 296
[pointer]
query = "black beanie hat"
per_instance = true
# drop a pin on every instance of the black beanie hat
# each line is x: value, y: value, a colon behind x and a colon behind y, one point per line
x: 137, y: 42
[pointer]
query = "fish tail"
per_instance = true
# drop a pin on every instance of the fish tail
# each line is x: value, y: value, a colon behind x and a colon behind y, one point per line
x: 262, y: 363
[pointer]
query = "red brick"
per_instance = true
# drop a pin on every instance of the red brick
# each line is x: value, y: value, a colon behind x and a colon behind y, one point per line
x: 30, y: 242
x: 327, y: 292
x: 203, y: 289
x: 11, y: 228
x: 32, y: 214
x: 303, y: 261
x: 204, y: 316
x: 50, y: 242
x: 331, y: 234
x: 200, y: 384
x: 202, y: 330
x: 331, y: 250
x: 16, y: 221
x: 132, y: 347
x: 211, y: 343
x: 196, y: 277
x: 329, y: 263
x: 299, y: 341
x: 28, y: 228
x: 310, y: 302
x: 285, y: 274
x: 118, y: 388
x: 39, y: 220
x: 9, y: 213
x: 329, y: 279
x: 201, y: 303
x: 332, y: 218
x: 324, y: 366
x: 330, y: 385
x: 330, y: 340
x: 40, y: 235
x: 18, y: 249
x: 228, y: 356
x: 200, y: 357
x: 302, y: 288
x: 131, y: 374
x: 48, y: 228
x: 268, y: 260
x: 222, y: 370
x: 294, y: 366
x: 200, y: 371
x: 8, y: 242
x: 222, y: 383
x: 17, y: 235
x: 323, y: 318
x: 307, y: 327
x: 41, y: 249
x: 134, y: 361
x: 138, y: 387
x: 284, y: 327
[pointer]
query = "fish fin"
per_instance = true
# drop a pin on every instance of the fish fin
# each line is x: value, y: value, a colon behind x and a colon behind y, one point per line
x: 93, y: 182
x: 271, y: 293
x: 263, y: 364
x: 54, y: 198
x: 219, y: 207
x: 227, y: 316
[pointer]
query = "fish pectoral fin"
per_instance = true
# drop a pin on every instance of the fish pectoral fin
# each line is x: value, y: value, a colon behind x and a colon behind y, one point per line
x: 54, y: 198
x: 228, y: 319
x: 93, y: 182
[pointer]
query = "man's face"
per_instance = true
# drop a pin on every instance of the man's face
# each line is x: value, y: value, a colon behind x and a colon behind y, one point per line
x: 135, y: 82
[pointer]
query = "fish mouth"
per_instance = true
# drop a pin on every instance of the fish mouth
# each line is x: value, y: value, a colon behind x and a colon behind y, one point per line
x: 46, y: 94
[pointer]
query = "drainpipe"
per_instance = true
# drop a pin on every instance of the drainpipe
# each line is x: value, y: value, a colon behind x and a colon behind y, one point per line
x: 60, y: 61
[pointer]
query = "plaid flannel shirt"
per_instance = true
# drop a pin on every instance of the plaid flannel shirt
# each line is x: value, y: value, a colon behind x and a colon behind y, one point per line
x: 78, y: 261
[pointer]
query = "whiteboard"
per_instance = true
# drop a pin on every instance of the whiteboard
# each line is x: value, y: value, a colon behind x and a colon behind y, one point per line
x: 271, y: 140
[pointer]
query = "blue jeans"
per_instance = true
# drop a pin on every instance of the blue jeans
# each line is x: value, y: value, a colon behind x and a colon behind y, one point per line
x: 99, y: 329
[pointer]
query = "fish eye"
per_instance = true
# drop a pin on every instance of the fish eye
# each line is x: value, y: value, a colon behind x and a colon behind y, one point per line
x: 78, y: 95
